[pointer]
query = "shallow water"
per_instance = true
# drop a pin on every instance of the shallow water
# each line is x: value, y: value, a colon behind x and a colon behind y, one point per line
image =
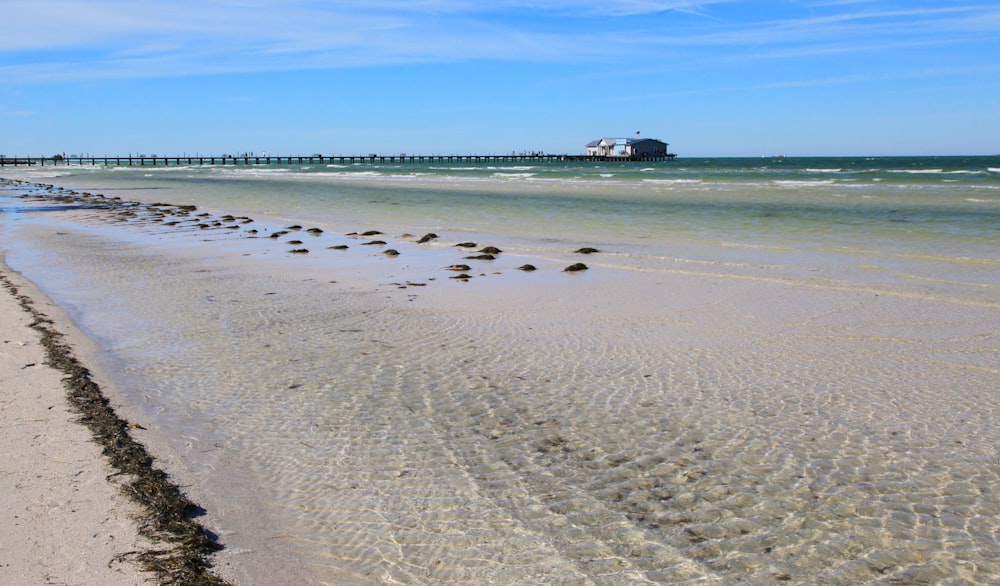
x: 757, y: 404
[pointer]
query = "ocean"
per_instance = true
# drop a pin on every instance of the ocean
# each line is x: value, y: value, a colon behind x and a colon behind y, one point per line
x: 774, y: 369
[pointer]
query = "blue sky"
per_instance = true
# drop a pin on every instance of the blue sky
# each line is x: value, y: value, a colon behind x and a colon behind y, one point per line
x: 712, y: 78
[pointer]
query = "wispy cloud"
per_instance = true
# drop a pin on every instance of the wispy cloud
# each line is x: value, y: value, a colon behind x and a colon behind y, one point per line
x: 986, y: 73
x: 5, y: 111
x: 617, y: 7
x: 54, y: 24
x: 51, y: 40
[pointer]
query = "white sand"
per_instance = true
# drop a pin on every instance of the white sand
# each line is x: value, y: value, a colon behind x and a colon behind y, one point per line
x: 65, y: 521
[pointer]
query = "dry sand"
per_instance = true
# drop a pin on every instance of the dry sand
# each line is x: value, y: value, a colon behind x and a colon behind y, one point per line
x: 65, y: 519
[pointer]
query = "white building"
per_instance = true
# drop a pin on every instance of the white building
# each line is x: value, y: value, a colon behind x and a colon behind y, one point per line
x: 627, y: 147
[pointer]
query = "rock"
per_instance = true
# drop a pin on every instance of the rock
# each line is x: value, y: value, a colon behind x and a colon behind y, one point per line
x: 575, y: 267
x: 526, y: 268
x: 295, y: 227
x: 466, y: 244
x: 391, y: 252
x: 299, y: 251
x: 374, y: 243
x: 481, y: 257
x: 463, y: 277
x: 295, y: 242
x: 427, y: 237
x: 316, y: 231
x: 339, y: 247
x: 459, y: 268
x: 490, y: 250
x: 371, y: 233
x: 586, y: 250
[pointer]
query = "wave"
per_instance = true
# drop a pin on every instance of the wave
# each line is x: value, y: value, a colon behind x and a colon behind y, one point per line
x: 804, y: 183
x: 673, y: 181
x: 347, y: 174
x: 935, y: 171
x: 249, y: 170
x: 514, y: 175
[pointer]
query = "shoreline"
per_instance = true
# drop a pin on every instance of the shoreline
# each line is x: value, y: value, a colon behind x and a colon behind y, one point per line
x: 136, y: 524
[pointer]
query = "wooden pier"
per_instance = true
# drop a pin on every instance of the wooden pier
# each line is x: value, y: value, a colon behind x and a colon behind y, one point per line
x: 372, y: 159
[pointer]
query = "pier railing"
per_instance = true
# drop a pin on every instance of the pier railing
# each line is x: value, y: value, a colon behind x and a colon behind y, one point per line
x: 152, y: 161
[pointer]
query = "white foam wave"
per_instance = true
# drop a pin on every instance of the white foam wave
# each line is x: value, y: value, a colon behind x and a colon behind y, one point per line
x: 351, y: 174
x: 673, y: 181
x: 803, y: 183
x: 513, y: 175
x: 935, y: 171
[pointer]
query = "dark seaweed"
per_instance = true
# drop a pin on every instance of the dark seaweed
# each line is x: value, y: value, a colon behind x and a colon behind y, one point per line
x: 181, y: 544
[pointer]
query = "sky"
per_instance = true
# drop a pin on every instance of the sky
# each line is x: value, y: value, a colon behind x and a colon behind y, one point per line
x: 711, y: 78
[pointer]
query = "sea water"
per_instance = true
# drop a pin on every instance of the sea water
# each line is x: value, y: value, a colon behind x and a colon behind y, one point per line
x: 774, y: 370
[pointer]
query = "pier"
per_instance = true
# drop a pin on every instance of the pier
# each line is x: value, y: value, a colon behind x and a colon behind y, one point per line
x: 371, y: 159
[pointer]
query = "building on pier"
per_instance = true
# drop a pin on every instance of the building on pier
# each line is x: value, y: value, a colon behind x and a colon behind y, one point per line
x: 627, y: 148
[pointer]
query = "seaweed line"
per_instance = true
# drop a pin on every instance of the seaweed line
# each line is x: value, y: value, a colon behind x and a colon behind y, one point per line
x: 182, y: 545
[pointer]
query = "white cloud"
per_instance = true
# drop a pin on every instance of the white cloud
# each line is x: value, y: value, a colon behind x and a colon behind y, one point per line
x: 15, y: 113
x: 47, y: 40
x: 616, y: 7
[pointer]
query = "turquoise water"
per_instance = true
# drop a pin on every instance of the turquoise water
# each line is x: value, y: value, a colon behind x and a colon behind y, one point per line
x: 935, y: 215
x: 815, y: 202
x: 774, y: 370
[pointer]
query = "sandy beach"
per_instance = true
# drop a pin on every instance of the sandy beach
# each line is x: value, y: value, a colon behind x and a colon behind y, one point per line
x: 65, y: 519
